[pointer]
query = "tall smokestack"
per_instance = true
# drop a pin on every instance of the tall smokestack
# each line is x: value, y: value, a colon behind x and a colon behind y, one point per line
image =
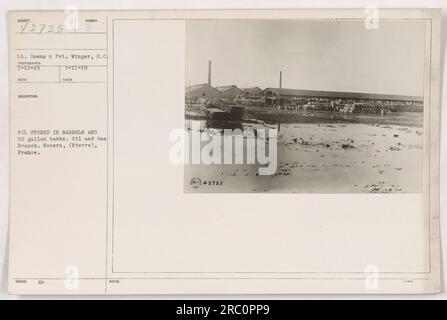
x: 280, y: 79
x: 209, y: 72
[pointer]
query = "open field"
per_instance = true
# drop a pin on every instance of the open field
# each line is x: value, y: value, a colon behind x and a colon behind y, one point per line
x: 367, y: 153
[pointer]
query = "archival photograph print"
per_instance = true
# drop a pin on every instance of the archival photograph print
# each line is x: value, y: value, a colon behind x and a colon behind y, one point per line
x: 301, y: 106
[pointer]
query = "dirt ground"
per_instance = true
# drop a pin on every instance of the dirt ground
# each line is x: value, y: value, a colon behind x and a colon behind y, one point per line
x: 327, y: 158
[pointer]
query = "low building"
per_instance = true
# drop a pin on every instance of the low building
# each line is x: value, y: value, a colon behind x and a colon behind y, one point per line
x: 249, y: 93
x: 229, y: 92
x: 250, y: 97
x: 335, y: 101
x: 201, y: 91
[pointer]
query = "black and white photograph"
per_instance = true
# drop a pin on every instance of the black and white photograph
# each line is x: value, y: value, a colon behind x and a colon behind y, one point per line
x: 339, y: 105
x: 223, y: 153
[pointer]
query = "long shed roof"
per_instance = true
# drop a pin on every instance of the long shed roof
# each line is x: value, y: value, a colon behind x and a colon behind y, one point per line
x: 195, y: 87
x: 345, y: 95
x: 226, y: 88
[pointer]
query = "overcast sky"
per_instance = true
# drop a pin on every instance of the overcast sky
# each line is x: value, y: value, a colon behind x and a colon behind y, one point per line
x: 317, y: 55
